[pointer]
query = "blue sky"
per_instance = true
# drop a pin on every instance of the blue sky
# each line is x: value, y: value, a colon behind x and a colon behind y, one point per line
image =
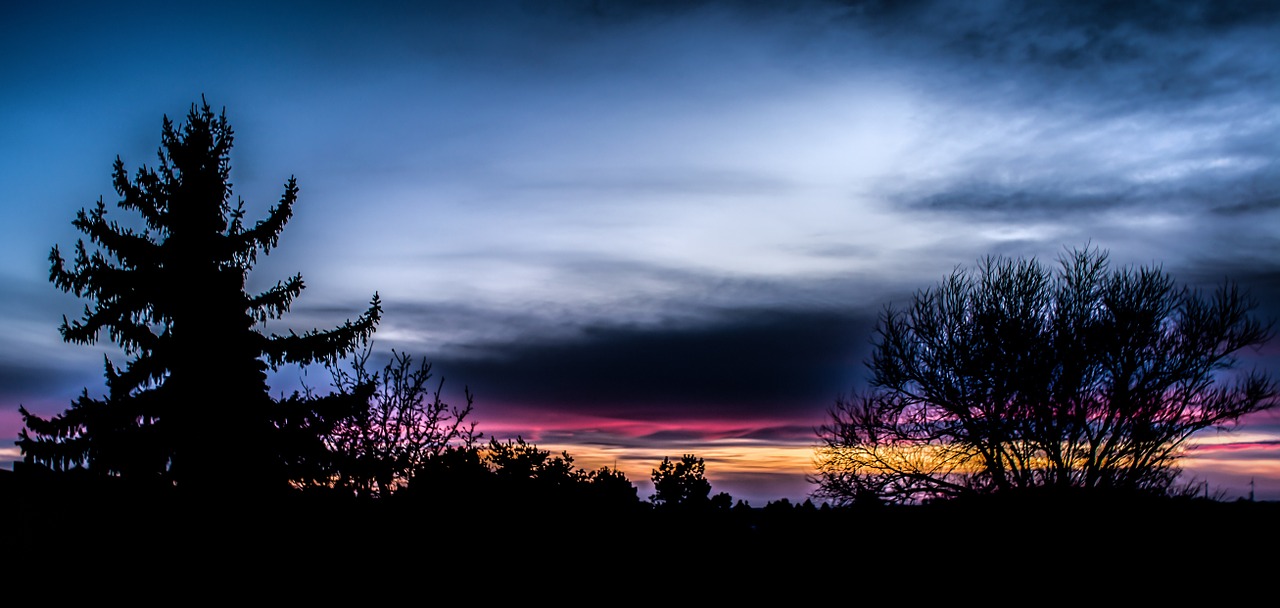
x: 638, y: 229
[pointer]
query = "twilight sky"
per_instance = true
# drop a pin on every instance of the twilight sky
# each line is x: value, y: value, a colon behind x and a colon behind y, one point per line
x: 644, y: 229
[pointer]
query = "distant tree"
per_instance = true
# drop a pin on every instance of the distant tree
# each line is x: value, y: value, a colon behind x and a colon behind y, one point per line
x: 681, y: 484
x: 191, y: 406
x: 781, y: 505
x: 609, y: 486
x: 722, y: 501
x: 1011, y: 376
x: 378, y: 449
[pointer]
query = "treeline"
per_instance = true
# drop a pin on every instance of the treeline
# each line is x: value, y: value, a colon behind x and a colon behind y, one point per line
x: 514, y: 516
x: 510, y: 494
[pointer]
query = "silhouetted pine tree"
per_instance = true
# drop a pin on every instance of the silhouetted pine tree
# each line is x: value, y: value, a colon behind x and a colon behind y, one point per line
x: 683, y: 484
x: 192, y: 406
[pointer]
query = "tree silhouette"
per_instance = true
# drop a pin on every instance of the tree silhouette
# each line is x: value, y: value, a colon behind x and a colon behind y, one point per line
x: 610, y: 487
x: 191, y: 406
x: 378, y: 449
x: 525, y: 473
x: 515, y: 474
x: 681, y: 484
x: 1011, y: 376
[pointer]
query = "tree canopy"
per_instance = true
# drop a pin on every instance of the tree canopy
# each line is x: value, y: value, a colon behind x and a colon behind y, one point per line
x: 681, y: 484
x: 191, y: 405
x: 1010, y: 375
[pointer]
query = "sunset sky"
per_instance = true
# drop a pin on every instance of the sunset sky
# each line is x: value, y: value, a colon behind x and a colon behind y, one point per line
x: 654, y: 228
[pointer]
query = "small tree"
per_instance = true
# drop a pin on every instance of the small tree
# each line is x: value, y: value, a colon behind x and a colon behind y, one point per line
x: 378, y: 449
x: 191, y: 406
x: 681, y: 484
x: 1010, y: 376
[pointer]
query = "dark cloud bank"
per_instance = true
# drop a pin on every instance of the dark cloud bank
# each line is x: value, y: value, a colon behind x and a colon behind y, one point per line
x: 748, y: 364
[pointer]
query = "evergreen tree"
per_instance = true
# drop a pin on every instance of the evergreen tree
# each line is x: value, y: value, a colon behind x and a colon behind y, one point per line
x: 191, y: 407
x: 681, y: 484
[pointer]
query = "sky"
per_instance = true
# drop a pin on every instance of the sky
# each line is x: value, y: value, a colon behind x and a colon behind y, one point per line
x: 638, y: 230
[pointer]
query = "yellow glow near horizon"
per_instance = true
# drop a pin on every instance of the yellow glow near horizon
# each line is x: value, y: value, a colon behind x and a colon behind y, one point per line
x: 720, y: 458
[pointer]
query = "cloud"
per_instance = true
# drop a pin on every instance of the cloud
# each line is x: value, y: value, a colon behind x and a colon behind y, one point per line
x: 987, y: 199
x: 748, y: 364
x: 31, y: 378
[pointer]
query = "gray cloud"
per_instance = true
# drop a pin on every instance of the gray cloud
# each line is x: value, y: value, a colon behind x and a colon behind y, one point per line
x: 988, y: 199
x: 31, y: 379
x: 635, y: 182
x: 747, y: 363
x: 1251, y: 193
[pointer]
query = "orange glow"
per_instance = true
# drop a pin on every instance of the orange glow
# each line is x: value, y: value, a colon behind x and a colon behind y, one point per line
x: 746, y: 470
x: 721, y: 457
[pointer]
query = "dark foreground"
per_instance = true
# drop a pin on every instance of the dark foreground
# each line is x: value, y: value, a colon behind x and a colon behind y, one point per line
x: 312, y: 542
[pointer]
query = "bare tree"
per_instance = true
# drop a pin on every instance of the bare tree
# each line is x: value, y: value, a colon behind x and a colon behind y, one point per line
x: 1012, y: 376
x: 406, y: 423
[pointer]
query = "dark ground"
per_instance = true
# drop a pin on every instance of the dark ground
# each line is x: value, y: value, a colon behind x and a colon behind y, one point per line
x: 310, y: 543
